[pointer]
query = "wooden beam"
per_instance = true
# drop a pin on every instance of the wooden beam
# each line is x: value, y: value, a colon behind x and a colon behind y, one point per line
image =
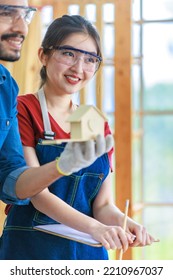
x: 60, y: 8
x: 123, y: 106
x: 99, y: 75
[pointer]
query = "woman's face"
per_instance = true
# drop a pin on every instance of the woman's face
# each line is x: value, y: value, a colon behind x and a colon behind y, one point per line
x: 69, y: 71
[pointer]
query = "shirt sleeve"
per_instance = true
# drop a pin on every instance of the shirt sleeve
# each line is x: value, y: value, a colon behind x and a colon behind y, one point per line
x: 12, y: 165
x: 25, y: 125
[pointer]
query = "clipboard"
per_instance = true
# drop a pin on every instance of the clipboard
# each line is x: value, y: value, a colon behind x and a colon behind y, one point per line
x: 69, y: 233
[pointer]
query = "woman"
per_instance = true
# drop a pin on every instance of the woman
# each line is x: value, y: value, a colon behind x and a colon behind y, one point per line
x: 70, y: 55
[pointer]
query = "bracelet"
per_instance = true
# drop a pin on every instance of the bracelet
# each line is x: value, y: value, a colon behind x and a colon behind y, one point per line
x: 59, y: 169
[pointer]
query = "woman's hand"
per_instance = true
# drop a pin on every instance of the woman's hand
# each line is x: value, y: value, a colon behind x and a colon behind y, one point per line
x: 112, y: 237
x: 141, y: 236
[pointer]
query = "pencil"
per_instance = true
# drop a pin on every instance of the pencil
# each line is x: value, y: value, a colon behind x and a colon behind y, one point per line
x: 124, y: 225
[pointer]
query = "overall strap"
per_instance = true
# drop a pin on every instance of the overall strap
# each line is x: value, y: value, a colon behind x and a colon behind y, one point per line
x: 48, y: 133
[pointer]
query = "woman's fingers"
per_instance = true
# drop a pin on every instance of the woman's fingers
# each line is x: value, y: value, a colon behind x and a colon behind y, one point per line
x: 115, y: 238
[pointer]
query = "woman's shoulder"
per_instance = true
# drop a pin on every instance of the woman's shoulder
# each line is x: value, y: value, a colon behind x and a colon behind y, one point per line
x: 28, y: 102
x: 28, y: 97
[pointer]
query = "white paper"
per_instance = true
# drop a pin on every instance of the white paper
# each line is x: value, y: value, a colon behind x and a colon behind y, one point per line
x: 68, y: 232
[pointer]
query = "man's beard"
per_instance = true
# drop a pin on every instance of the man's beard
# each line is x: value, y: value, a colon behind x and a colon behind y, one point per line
x: 7, y: 55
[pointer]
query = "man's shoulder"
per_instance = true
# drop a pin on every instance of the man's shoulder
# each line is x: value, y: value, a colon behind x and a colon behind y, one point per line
x: 5, y: 75
x: 3, y: 70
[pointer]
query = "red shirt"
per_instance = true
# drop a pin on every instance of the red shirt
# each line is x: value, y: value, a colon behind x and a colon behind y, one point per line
x: 31, y: 123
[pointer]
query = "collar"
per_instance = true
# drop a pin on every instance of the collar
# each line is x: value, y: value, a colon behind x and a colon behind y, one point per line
x: 2, y: 76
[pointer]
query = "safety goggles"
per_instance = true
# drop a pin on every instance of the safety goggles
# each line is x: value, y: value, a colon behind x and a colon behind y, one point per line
x: 69, y: 56
x: 11, y: 13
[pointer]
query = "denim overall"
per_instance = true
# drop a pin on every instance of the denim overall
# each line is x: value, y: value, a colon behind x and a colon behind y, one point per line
x: 21, y: 242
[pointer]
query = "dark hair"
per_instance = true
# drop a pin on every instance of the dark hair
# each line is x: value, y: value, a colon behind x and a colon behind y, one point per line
x: 60, y: 29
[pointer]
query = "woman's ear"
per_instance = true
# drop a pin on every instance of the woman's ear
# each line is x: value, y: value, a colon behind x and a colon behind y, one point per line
x: 42, y: 56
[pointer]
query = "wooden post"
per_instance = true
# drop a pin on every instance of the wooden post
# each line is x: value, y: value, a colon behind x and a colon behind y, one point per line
x: 60, y: 8
x: 99, y: 74
x: 123, y: 106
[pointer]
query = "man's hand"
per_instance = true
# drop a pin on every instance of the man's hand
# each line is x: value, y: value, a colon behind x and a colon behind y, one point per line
x: 78, y: 155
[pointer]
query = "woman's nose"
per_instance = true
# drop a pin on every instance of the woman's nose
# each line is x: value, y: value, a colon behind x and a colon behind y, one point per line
x: 78, y: 65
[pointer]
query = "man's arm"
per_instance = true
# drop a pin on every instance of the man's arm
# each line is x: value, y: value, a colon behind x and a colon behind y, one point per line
x: 12, y: 164
x: 18, y: 184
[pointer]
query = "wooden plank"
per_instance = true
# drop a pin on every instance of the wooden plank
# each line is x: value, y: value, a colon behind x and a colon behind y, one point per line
x: 67, y: 2
x: 99, y: 74
x: 83, y: 91
x: 60, y: 8
x: 123, y: 106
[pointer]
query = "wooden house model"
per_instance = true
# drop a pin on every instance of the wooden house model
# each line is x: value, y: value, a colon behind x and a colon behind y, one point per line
x: 86, y: 122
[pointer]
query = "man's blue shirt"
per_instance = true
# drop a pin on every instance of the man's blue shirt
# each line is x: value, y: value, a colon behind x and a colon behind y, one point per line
x: 12, y: 162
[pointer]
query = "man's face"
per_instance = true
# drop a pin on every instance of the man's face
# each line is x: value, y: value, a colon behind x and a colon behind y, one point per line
x: 13, y: 29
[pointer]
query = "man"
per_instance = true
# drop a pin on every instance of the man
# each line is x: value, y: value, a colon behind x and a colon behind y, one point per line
x: 18, y: 182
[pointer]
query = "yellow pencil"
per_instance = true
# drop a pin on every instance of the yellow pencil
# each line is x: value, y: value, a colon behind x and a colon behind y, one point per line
x: 124, y: 224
